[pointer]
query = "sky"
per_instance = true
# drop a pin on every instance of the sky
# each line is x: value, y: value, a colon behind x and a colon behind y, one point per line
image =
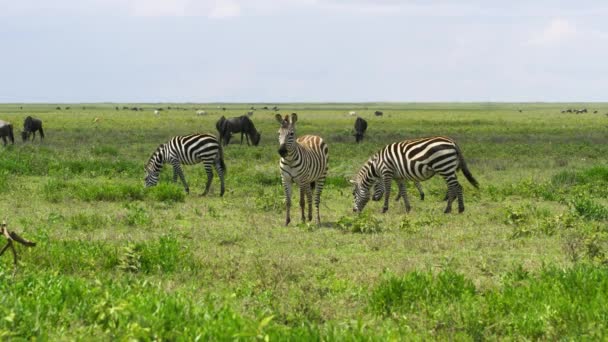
x: 64, y: 51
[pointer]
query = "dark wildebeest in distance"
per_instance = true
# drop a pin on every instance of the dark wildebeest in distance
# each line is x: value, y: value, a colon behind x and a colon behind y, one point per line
x: 242, y: 124
x: 30, y: 126
x: 6, y: 130
x: 360, y: 128
x: 378, y: 113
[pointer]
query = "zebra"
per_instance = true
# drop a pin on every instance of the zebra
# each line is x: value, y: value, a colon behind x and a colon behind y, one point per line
x: 415, y: 160
x: 303, y: 161
x: 189, y: 150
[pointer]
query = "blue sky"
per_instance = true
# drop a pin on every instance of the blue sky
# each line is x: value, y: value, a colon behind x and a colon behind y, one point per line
x: 302, y: 50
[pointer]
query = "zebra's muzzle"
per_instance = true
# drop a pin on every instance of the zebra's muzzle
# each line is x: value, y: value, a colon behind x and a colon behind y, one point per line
x: 282, y: 151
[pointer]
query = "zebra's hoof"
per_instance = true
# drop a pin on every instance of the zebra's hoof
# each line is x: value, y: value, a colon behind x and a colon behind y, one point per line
x: 287, y: 221
x: 384, y: 210
x: 422, y: 197
x: 460, y: 210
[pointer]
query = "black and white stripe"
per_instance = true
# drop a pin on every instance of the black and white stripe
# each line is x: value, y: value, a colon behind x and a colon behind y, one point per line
x: 188, y: 150
x: 415, y: 160
x: 379, y: 191
x: 304, y: 162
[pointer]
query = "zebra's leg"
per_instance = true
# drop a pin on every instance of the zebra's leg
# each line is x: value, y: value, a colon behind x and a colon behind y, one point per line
x: 419, y: 187
x: 460, y: 198
x: 309, y: 200
x: 209, y: 172
x: 287, y: 189
x: 452, y: 191
x: 303, y: 193
x: 220, y: 173
x: 319, y: 183
x: 387, y: 192
x: 177, y: 170
x: 403, y: 193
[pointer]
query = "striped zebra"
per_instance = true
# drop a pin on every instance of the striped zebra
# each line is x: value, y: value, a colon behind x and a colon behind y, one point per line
x: 188, y: 150
x: 415, y: 160
x: 303, y: 161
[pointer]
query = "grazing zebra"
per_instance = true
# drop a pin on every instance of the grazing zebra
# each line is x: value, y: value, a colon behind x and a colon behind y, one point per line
x: 189, y: 150
x: 415, y: 160
x: 30, y: 126
x: 303, y: 161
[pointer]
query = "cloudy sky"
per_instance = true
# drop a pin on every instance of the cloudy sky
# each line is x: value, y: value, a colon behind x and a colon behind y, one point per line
x: 302, y: 50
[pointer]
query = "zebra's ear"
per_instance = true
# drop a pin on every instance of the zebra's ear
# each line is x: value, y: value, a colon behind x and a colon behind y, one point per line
x: 294, y: 118
x: 351, y: 181
x: 279, y: 118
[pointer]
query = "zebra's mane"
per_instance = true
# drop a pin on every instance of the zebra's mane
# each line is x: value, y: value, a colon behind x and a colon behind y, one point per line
x: 156, y: 158
x: 368, y: 172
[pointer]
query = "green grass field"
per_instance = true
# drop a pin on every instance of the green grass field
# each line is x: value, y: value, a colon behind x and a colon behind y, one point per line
x: 114, y: 261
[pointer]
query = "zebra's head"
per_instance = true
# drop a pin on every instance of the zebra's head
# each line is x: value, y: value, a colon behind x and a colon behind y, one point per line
x: 360, y: 193
x: 154, y: 165
x: 287, y: 133
x: 366, y: 178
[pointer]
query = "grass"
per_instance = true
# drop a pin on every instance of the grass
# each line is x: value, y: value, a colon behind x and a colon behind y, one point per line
x: 527, y: 259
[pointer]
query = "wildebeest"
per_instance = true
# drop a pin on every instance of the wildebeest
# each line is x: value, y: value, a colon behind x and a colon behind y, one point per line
x: 242, y: 124
x: 6, y: 130
x: 58, y: 108
x: 360, y: 128
x: 378, y: 113
x: 30, y: 126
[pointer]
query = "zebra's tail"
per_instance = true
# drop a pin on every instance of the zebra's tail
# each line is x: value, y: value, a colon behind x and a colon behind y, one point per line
x: 220, y: 157
x: 465, y: 169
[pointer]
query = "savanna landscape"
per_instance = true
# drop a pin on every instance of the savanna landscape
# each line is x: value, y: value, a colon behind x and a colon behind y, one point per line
x: 528, y: 258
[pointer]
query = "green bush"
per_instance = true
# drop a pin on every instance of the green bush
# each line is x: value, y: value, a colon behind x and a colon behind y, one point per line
x: 167, y: 192
x: 588, y: 208
x: 362, y: 223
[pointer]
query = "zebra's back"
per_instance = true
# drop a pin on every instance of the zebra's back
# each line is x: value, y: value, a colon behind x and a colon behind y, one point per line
x: 195, y: 148
x: 420, y: 159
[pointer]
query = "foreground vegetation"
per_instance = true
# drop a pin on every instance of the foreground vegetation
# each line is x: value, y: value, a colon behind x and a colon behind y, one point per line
x: 527, y: 259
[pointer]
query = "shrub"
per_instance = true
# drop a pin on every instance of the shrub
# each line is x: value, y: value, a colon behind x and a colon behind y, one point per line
x: 167, y: 192
x: 362, y: 223
x: 588, y: 208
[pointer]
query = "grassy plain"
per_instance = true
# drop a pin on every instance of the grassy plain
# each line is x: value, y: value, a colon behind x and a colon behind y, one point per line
x: 526, y: 260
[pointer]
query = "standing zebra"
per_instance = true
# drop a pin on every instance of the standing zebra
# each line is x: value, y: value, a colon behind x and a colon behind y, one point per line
x: 303, y: 161
x: 189, y: 150
x: 415, y: 160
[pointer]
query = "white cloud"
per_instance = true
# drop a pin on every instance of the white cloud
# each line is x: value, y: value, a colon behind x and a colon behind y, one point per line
x: 225, y: 9
x: 558, y: 31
